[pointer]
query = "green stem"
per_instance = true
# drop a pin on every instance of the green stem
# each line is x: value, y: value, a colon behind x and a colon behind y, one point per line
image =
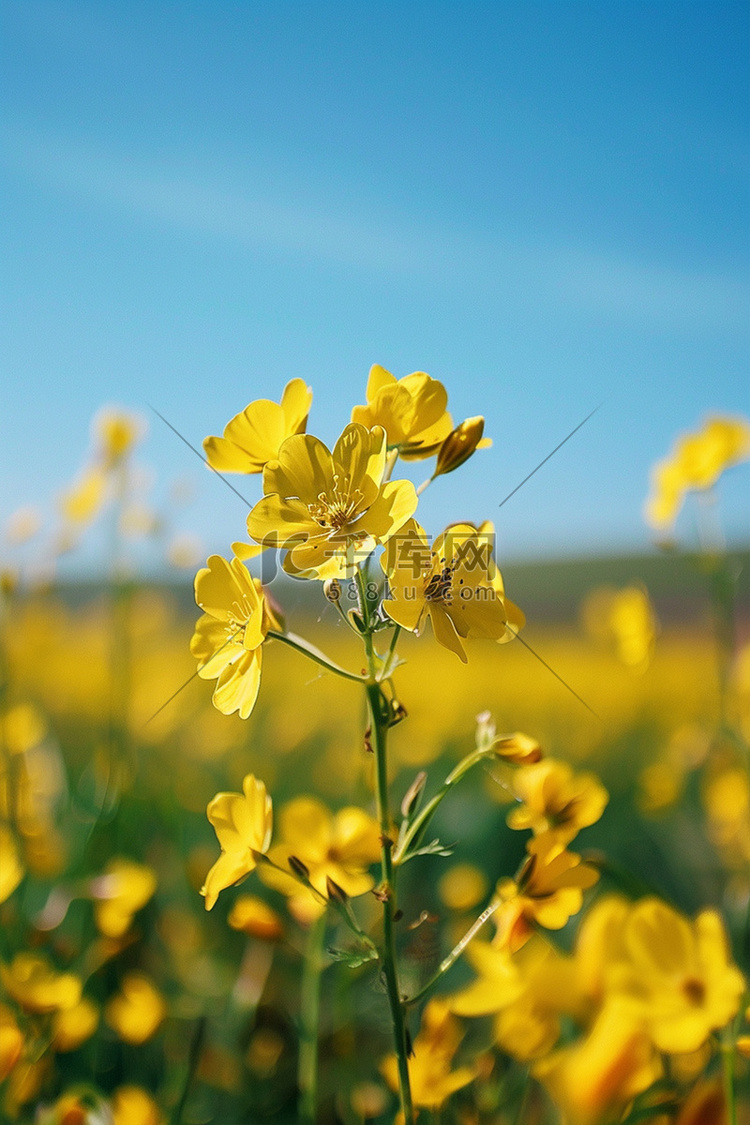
x: 420, y: 822
x: 727, y: 1067
x: 456, y: 952
x: 313, y: 653
x: 196, y: 1048
x: 310, y: 1020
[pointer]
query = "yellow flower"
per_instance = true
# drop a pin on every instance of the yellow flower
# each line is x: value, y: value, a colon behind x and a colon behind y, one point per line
x: 625, y: 620
x: 32, y: 982
x: 554, y: 799
x: 123, y: 890
x: 12, y: 870
x: 339, y: 846
x: 696, y: 462
x: 255, y: 436
x: 132, y: 1105
x: 330, y: 510
x: 518, y: 748
x: 462, y: 887
x: 82, y: 501
x: 73, y: 1026
x: 547, y: 891
x: 593, y: 1081
x: 11, y: 1042
x: 412, y: 411
x: 452, y: 583
x: 599, y: 945
x: 680, y: 973
x: 255, y: 918
x: 116, y: 432
x: 243, y: 823
x: 432, y: 1080
x: 137, y: 1010
x: 228, y: 637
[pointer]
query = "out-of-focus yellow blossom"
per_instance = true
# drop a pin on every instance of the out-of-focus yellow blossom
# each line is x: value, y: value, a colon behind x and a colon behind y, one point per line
x: 624, y: 619
x: 527, y: 991
x: 228, y: 638
x: 255, y: 918
x: 727, y: 800
x: 243, y: 823
x: 460, y: 445
x: 681, y: 974
x: 599, y: 944
x: 547, y: 891
x: 660, y: 785
x: 132, y: 1105
x: 184, y: 551
x: 123, y: 889
x: 22, y: 525
x: 73, y: 1026
x: 82, y: 501
x: 330, y: 510
x: 11, y: 870
x: 22, y: 727
x: 33, y: 983
x: 554, y: 799
x: 432, y: 1080
x: 340, y: 847
x: 411, y: 410
x: 462, y: 886
x: 592, y: 1081
x: 452, y: 583
x: 519, y: 749
x: 254, y: 437
x: 137, y: 1010
x: 116, y: 431
x: 11, y: 1042
x: 695, y: 462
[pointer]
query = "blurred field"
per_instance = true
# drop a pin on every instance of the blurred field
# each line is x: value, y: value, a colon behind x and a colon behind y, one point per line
x: 120, y: 759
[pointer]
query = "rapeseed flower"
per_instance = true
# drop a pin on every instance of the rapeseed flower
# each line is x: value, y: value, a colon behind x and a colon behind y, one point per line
x: 243, y: 823
x: 680, y: 973
x: 73, y: 1026
x: 120, y: 893
x: 11, y: 1042
x: 339, y: 847
x: 137, y: 1011
x: 432, y: 1080
x: 547, y: 891
x: 554, y: 799
x: 695, y: 463
x: 132, y: 1105
x: 12, y: 870
x: 330, y: 509
x: 411, y: 410
x: 255, y: 436
x: 228, y: 637
x: 459, y: 446
x: 451, y: 583
x: 37, y: 987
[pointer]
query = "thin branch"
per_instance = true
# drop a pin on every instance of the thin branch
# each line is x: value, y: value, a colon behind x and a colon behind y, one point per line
x: 198, y: 453
x: 552, y: 454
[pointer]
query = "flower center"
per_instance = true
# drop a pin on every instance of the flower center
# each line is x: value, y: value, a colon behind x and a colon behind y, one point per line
x: 338, y: 507
x: 439, y: 587
x: 694, y: 990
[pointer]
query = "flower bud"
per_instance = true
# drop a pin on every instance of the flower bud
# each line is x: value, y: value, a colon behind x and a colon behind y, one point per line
x: 332, y: 589
x: 459, y: 445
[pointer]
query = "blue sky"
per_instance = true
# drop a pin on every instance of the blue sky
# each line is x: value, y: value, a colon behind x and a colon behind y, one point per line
x: 544, y: 205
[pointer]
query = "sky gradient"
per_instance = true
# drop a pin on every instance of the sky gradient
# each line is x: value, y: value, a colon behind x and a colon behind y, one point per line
x: 543, y: 205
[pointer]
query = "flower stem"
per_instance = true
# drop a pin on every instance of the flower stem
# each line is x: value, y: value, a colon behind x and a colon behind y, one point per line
x: 421, y: 821
x: 727, y: 1067
x: 310, y: 1020
x: 379, y: 725
x: 313, y: 653
x: 456, y: 952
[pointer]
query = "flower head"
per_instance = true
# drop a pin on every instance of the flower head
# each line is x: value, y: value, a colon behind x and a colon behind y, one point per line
x: 228, y: 637
x: 452, y: 583
x: 255, y: 436
x: 412, y: 411
x: 137, y: 1010
x: 243, y: 823
x: 122, y: 891
x: 32, y: 982
x: 327, y: 507
x: 432, y: 1080
x: 332, y: 846
x: 555, y: 800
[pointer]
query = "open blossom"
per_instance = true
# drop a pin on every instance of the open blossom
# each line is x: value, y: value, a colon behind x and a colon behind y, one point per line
x: 243, y: 823
x: 696, y: 462
x: 228, y: 637
x: 34, y: 984
x: 254, y: 437
x: 337, y: 846
x: 554, y: 799
x: 432, y: 1079
x: 123, y: 889
x: 412, y: 411
x: 453, y: 583
x: 326, y: 508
